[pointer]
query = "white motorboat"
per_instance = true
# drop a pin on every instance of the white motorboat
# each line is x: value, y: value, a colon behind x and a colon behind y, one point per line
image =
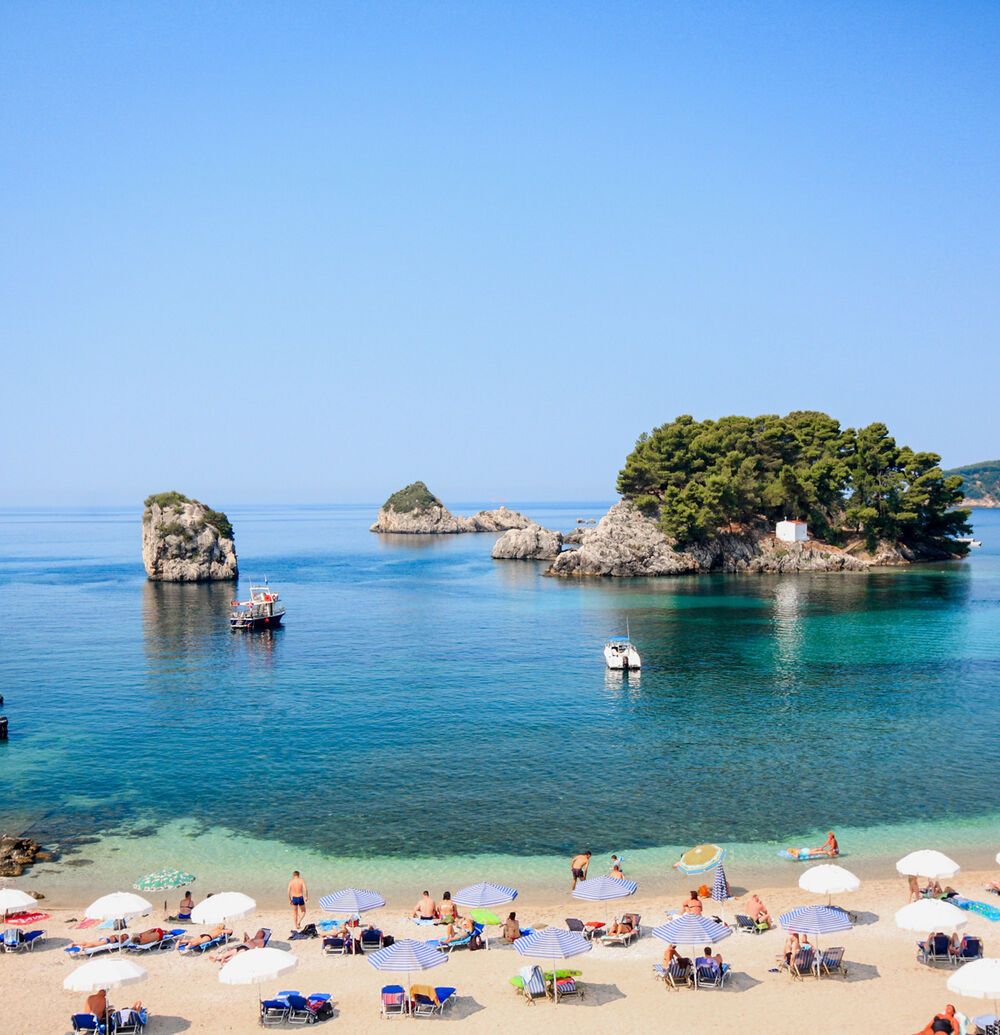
x: 969, y: 540
x: 620, y: 653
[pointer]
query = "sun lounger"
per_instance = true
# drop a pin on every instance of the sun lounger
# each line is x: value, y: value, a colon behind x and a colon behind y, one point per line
x: 165, y: 942
x: 427, y: 1000
x: 936, y: 950
x: 335, y: 945
x: 96, y: 950
x: 274, y: 1011
x: 16, y: 940
x: 307, y: 1011
x: 128, y: 1022
x: 970, y: 948
x: 530, y: 983
x: 802, y: 963
x: 393, y: 1001
x: 461, y: 943
x: 711, y: 975
x: 627, y: 938
x: 830, y: 961
x: 747, y: 925
x: 565, y: 987
x: 677, y: 975
x: 87, y: 1022
x: 371, y: 939
x: 588, y: 930
x: 197, y: 950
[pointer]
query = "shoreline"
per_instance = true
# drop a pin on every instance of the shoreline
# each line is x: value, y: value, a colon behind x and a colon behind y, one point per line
x: 226, y: 860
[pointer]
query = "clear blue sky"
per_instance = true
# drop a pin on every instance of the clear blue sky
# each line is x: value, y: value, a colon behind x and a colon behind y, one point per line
x: 299, y: 252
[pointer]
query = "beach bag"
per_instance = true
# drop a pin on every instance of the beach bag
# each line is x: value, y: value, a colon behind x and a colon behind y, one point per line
x: 322, y: 1011
x: 387, y: 939
x: 475, y: 942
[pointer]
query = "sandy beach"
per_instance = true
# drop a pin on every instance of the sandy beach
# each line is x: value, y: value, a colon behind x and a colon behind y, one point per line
x: 886, y: 989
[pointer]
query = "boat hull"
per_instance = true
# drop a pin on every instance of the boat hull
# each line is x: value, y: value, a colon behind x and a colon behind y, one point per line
x: 622, y: 660
x: 257, y: 623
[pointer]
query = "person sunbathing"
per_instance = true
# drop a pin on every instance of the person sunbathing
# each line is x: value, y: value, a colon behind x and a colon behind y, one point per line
x: 792, y: 946
x: 713, y: 962
x: 448, y: 911
x: 258, y: 941
x: 511, y: 928
x: 111, y: 939
x: 454, y: 933
x: 195, y: 940
x: 993, y: 886
x: 945, y: 1023
x: 426, y: 908
x: 624, y: 926
x: 933, y: 889
x: 154, y: 934
x: 953, y: 942
x: 757, y: 911
x: 671, y: 955
x: 692, y: 905
x: 97, y: 1003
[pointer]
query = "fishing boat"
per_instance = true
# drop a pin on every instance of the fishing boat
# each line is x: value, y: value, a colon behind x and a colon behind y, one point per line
x: 620, y: 653
x: 968, y: 540
x: 262, y: 611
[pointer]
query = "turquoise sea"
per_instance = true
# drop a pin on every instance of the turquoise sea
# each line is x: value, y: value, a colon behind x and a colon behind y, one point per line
x: 429, y: 709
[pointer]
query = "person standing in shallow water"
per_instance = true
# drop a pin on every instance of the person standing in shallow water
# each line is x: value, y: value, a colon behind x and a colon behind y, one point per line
x: 578, y: 867
x: 298, y: 895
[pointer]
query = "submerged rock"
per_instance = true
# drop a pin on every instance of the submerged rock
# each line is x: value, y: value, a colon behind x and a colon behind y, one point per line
x: 17, y: 853
x: 533, y: 543
x: 185, y: 541
x: 415, y: 510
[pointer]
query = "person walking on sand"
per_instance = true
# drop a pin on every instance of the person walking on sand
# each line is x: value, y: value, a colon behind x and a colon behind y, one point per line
x: 578, y: 867
x: 298, y: 895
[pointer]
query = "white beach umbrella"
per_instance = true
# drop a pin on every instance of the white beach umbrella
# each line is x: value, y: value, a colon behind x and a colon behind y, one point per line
x: 927, y: 863
x: 120, y: 905
x: 828, y: 879
x: 930, y: 914
x: 104, y: 974
x: 998, y: 857
x: 979, y: 979
x: 257, y: 965
x: 14, y: 901
x: 226, y: 905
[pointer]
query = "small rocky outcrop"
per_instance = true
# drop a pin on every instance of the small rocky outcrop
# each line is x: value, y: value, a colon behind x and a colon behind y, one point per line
x: 185, y: 541
x: 627, y: 543
x: 415, y: 510
x: 17, y: 853
x: 533, y: 543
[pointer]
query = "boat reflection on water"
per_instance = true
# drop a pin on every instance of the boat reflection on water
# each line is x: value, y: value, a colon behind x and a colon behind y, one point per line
x: 618, y: 680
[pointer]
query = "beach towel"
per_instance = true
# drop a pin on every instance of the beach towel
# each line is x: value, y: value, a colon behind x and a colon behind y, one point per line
x: 84, y: 924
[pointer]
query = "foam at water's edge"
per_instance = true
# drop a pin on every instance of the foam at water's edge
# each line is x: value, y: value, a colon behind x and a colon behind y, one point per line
x: 224, y: 860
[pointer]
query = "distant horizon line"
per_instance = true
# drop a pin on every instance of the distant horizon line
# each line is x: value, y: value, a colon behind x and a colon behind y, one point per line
x: 457, y: 503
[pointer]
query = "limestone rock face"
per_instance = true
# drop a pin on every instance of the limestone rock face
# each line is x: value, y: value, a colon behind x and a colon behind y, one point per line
x: 624, y: 543
x: 533, y: 543
x: 415, y: 510
x: 628, y: 544
x: 185, y: 541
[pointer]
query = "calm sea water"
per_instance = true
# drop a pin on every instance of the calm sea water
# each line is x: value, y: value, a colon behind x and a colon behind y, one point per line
x: 425, y: 699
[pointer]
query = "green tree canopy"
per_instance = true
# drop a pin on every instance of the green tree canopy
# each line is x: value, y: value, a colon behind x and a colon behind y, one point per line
x: 699, y: 476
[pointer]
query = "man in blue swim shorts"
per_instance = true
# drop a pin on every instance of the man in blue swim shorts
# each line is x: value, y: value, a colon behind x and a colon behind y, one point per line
x: 298, y: 895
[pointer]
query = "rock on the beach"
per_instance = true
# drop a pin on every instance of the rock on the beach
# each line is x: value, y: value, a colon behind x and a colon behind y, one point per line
x: 533, y: 543
x: 16, y: 853
x: 185, y: 541
x: 624, y: 543
x: 415, y: 510
x: 627, y: 543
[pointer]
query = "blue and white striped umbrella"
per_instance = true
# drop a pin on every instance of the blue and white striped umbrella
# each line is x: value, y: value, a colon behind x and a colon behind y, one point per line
x: 351, y: 900
x: 406, y: 956
x: 816, y: 920
x: 720, y: 885
x: 552, y: 943
x: 484, y: 894
x: 603, y: 889
x: 692, y: 930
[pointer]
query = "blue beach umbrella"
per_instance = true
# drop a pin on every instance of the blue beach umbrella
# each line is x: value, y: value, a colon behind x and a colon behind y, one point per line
x: 604, y: 889
x: 406, y: 956
x: 483, y: 895
x: 816, y: 920
x: 553, y: 943
x: 352, y: 901
x: 692, y: 930
x: 720, y: 886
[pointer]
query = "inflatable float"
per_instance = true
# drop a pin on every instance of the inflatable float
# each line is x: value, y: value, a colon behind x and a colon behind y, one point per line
x: 802, y: 854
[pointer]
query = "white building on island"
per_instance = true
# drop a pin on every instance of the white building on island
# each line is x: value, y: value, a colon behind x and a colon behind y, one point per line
x: 791, y: 531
